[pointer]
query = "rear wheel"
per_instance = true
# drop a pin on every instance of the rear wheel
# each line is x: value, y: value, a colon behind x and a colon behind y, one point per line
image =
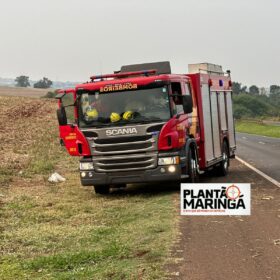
x: 223, y: 166
x: 192, y: 166
x: 119, y: 186
x: 102, y: 189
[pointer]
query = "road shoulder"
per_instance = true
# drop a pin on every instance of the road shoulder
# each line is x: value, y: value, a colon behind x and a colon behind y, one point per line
x: 236, y: 247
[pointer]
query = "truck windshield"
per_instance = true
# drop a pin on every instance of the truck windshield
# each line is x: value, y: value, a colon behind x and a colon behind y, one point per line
x: 116, y: 108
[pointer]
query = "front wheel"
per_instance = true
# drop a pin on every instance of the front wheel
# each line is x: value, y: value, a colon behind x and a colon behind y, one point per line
x: 192, y: 166
x: 102, y: 189
x: 223, y: 165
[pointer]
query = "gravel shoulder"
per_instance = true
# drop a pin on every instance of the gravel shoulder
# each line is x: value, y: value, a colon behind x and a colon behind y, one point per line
x: 232, y: 247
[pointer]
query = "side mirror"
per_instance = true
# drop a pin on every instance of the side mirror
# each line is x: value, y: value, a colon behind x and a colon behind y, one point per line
x: 187, y: 104
x: 61, y: 116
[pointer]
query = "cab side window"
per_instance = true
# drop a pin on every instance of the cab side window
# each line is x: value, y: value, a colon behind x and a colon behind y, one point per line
x: 177, y: 98
x: 187, y: 89
x: 68, y: 99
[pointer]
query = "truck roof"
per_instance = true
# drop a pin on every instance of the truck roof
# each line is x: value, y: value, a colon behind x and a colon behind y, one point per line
x: 146, y: 73
x: 139, y: 80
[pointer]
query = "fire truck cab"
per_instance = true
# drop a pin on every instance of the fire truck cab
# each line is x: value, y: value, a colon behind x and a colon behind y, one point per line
x: 145, y: 124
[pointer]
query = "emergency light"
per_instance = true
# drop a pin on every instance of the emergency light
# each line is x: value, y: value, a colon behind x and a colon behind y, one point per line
x: 123, y: 75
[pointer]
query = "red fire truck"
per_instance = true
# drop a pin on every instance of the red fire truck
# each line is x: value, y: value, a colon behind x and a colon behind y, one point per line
x: 145, y: 124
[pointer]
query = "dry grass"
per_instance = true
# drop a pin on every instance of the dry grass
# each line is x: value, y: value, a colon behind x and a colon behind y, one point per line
x: 28, y: 136
x: 65, y: 231
x: 22, y: 92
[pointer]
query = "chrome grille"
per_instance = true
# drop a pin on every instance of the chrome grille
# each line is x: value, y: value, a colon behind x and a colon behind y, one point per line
x: 120, y: 153
x: 122, y: 139
x: 122, y: 145
x: 124, y: 162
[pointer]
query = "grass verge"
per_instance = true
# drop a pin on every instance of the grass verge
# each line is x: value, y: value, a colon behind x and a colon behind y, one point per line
x: 65, y: 231
x: 258, y: 128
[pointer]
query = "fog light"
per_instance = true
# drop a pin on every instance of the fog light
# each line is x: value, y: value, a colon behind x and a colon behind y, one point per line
x: 171, y: 168
x: 83, y: 174
x: 162, y: 170
x: 90, y: 174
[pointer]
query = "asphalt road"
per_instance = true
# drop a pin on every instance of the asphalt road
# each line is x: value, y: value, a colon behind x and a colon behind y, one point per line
x: 260, y: 151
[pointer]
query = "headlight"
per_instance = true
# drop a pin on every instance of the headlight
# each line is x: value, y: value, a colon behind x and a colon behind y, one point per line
x: 168, y: 160
x: 86, y: 165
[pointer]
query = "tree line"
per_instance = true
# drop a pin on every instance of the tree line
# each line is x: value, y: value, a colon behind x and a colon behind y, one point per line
x: 23, y: 81
x: 254, y: 102
x: 237, y: 88
x: 248, y: 102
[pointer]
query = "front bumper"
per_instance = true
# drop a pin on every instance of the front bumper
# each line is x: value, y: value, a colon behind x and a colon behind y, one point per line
x: 143, y: 176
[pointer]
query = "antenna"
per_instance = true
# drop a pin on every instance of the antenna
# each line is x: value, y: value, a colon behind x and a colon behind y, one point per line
x: 101, y: 69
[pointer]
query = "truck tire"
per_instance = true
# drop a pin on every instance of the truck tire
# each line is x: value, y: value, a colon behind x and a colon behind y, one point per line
x: 222, y: 168
x: 119, y: 186
x: 102, y: 189
x: 192, y: 166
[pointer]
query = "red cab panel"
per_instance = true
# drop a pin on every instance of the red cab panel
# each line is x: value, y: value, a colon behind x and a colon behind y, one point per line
x: 172, y: 135
x: 74, y: 140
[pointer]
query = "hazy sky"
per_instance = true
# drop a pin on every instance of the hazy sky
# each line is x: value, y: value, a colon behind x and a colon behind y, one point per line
x: 71, y: 39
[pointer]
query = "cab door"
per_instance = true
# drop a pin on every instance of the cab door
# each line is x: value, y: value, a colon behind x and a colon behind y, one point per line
x: 181, y: 119
x: 70, y: 135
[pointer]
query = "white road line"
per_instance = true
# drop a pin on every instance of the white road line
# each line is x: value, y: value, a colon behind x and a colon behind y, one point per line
x: 262, y: 143
x: 273, y: 181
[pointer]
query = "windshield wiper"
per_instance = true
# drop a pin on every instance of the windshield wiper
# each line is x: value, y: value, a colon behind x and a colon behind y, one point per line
x: 123, y: 123
x: 147, y: 120
x: 101, y: 125
x: 109, y: 124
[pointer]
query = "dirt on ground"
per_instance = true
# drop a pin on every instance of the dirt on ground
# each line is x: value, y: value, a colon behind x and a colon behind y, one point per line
x: 232, y: 247
x: 21, y: 120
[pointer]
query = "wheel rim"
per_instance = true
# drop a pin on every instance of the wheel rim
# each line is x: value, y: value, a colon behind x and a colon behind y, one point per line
x: 225, y: 160
x: 193, y: 167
